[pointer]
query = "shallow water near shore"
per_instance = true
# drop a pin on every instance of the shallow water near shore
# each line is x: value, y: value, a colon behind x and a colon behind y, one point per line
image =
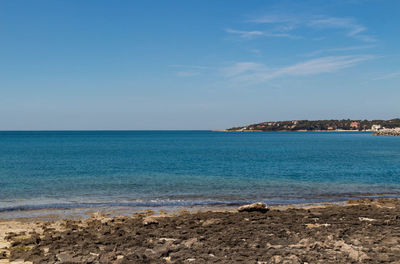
x: 93, y: 169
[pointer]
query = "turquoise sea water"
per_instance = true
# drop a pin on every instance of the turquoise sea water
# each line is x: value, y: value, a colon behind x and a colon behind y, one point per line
x: 166, y: 168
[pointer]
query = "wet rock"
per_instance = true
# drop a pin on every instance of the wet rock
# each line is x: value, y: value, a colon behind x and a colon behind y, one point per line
x: 360, y: 201
x: 255, y: 207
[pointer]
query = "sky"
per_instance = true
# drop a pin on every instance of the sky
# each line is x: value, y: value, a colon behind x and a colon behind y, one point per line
x: 138, y: 65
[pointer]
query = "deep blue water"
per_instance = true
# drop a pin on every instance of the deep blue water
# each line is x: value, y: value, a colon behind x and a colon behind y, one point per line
x: 135, y: 168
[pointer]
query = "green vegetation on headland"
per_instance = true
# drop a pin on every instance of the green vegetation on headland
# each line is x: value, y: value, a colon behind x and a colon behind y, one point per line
x: 321, y: 125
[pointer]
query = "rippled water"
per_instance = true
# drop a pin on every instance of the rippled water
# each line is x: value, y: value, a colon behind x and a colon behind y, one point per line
x: 146, y: 168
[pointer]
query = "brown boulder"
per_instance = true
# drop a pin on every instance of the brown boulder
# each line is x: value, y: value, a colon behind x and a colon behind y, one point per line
x: 255, y: 207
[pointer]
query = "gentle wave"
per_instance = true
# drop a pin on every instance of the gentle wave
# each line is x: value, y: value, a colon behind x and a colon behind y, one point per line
x: 188, y: 203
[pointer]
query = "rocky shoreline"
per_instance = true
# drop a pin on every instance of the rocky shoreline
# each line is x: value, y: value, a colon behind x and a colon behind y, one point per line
x: 362, y: 231
x: 387, y: 132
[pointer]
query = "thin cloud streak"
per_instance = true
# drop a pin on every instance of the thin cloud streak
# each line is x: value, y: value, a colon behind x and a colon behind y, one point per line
x: 243, y: 67
x: 275, y: 19
x: 353, y: 29
x: 351, y: 48
x: 256, y: 72
x: 388, y: 76
x: 286, y: 24
x: 256, y: 33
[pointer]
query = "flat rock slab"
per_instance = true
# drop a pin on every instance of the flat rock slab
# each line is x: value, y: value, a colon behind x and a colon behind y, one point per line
x: 255, y: 207
x: 325, y: 235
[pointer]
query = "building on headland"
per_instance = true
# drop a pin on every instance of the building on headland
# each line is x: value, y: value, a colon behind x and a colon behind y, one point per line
x: 355, y: 125
x: 321, y: 125
x: 376, y: 127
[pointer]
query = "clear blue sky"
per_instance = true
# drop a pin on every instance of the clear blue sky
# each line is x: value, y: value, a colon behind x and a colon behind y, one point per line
x: 97, y: 64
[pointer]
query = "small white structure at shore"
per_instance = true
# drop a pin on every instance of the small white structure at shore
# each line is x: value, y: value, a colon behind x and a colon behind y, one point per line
x: 376, y: 127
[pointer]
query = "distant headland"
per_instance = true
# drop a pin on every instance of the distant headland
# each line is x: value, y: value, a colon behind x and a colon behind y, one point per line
x: 324, y: 125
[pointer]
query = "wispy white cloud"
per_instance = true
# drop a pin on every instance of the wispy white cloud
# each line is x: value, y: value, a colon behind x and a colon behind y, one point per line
x: 245, y: 34
x: 388, y: 76
x: 239, y: 68
x: 323, y: 65
x: 287, y: 23
x: 256, y: 33
x: 275, y: 19
x: 350, y: 48
x: 352, y: 28
x: 255, y: 72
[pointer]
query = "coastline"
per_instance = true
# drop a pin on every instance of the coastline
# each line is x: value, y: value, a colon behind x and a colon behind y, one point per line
x: 74, y: 210
x: 336, y: 130
x: 333, y: 232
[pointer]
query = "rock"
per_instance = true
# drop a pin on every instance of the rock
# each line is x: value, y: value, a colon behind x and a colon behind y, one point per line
x: 366, y: 219
x: 353, y: 252
x: 310, y: 226
x: 190, y: 242
x: 67, y: 258
x: 119, y: 259
x: 107, y: 257
x: 4, y: 254
x: 150, y: 221
x: 157, y: 252
x: 255, y: 207
x: 150, y: 253
x: 4, y: 244
x: 360, y: 201
x: 292, y: 259
x: 20, y: 261
x: 211, y: 221
x: 167, y: 240
x: 268, y: 246
x: 276, y: 259
x: 387, y: 132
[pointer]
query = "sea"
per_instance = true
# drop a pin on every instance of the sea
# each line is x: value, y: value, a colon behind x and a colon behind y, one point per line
x: 90, y: 169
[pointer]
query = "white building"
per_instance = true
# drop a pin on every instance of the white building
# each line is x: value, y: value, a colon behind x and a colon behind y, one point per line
x: 376, y: 127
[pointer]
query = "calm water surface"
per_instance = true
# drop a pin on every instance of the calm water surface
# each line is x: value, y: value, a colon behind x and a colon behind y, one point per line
x: 146, y: 168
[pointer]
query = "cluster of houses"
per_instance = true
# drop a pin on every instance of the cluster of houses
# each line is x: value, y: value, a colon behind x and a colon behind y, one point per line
x: 321, y: 125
